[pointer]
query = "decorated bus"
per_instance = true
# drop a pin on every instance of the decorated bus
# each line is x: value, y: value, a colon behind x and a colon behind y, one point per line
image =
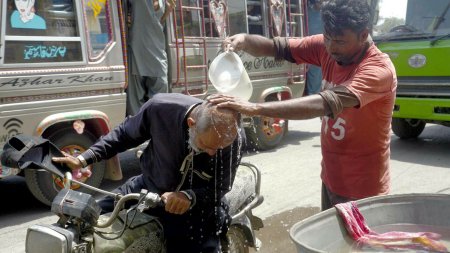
x: 63, y: 69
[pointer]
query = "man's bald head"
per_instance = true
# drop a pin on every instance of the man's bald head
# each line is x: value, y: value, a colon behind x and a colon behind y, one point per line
x: 215, y: 128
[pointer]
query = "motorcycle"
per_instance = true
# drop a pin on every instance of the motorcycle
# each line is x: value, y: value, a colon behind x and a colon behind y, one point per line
x: 80, y: 227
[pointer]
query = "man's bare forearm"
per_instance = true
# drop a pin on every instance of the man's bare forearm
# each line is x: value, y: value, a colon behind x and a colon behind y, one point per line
x: 296, y: 109
x: 257, y: 45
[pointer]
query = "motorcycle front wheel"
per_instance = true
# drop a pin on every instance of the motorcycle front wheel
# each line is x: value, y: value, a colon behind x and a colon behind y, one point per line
x: 44, y: 186
x: 236, y: 241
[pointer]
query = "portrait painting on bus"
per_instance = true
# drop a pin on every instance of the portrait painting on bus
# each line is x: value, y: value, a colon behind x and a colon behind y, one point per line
x: 25, y: 16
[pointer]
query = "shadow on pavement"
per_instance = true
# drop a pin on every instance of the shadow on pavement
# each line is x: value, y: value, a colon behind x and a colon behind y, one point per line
x: 291, y: 138
x: 17, y: 198
x: 431, y: 148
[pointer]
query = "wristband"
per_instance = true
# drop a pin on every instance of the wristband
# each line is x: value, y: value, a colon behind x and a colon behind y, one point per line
x: 82, y: 161
x: 191, y: 196
x: 187, y: 195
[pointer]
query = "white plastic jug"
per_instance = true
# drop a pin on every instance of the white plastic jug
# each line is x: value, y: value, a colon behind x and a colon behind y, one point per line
x: 228, y: 75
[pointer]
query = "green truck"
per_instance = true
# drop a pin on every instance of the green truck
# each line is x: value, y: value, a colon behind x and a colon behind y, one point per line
x: 416, y: 36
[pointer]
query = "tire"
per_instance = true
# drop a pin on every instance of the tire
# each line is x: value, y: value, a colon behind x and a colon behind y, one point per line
x: 45, y: 186
x: 266, y: 133
x: 235, y: 242
x: 407, y: 128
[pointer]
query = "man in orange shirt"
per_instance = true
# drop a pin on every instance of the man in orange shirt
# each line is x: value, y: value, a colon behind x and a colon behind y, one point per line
x: 356, y: 102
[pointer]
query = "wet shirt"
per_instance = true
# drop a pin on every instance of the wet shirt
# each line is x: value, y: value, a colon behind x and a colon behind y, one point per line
x: 162, y: 121
x: 355, y: 145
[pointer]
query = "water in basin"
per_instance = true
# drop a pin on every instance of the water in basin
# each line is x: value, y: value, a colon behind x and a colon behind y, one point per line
x: 325, y: 231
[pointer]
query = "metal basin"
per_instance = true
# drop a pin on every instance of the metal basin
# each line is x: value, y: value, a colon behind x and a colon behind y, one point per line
x: 320, y: 232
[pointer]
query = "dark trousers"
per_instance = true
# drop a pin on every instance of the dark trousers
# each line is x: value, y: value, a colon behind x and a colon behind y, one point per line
x: 142, y: 88
x: 192, y: 232
x: 329, y: 199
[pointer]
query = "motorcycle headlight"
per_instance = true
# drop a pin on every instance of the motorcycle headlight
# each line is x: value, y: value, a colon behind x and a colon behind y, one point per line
x: 48, y: 238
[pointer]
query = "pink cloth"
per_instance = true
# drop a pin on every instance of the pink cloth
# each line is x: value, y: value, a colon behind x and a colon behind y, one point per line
x: 357, y: 228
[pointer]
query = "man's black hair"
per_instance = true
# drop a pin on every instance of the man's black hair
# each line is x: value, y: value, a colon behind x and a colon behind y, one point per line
x: 339, y: 15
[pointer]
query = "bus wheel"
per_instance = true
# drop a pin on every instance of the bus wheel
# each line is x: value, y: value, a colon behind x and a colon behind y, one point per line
x: 44, y: 186
x: 407, y: 128
x: 266, y: 133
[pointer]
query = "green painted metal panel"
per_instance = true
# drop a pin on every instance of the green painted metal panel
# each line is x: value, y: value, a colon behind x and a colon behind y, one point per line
x: 437, y: 57
x: 421, y: 108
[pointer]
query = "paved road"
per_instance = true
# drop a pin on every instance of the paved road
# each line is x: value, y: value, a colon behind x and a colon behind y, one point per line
x: 291, y: 184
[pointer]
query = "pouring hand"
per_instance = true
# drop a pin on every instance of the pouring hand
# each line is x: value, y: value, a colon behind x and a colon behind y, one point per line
x: 234, y: 43
x: 176, y: 202
x: 242, y: 106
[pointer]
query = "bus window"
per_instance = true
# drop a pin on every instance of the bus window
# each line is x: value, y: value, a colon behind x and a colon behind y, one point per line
x: 255, y: 17
x: 44, y: 31
x: 237, y: 16
x: 99, y: 26
x: 191, y: 20
x: 294, y: 14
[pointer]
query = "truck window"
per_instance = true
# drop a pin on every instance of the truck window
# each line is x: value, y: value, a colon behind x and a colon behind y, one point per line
x: 99, y: 26
x: 44, y: 32
x: 412, y: 19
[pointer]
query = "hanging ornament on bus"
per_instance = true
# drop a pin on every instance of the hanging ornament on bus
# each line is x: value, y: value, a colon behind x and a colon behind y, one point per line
x: 219, y: 11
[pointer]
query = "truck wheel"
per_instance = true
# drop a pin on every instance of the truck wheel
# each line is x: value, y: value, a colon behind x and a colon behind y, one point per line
x: 407, y: 128
x: 44, y: 186
x: 266, y: 133
x: 236, y: 241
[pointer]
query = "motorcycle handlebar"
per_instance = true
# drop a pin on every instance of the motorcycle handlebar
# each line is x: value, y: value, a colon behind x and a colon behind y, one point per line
x: 153, y: 200
x: 150, y: 200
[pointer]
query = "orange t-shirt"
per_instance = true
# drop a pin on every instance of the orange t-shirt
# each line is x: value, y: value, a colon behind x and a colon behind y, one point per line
x: 355, y: 145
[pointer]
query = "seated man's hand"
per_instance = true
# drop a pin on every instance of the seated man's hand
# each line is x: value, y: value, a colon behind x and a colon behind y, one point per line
x: 176, y: 202
x: 69, y: 160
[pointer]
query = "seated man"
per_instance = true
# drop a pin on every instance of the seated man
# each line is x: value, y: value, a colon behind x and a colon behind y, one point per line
x: 191, y: 159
